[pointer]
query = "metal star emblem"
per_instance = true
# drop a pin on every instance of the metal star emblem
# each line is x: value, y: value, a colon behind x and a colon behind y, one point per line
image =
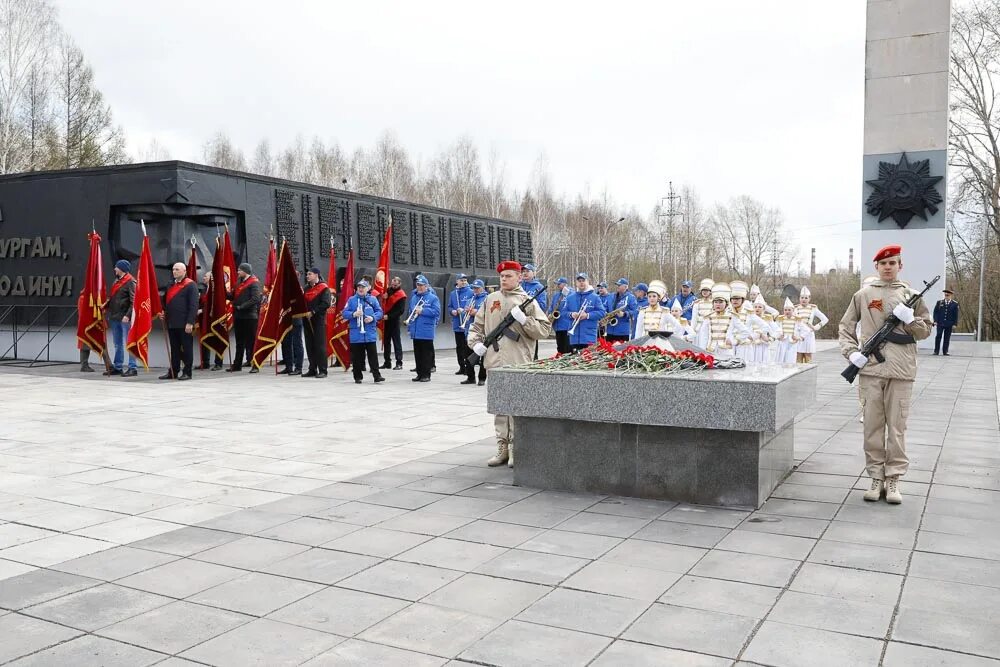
x: 903, y: 190
x: 176, y: 186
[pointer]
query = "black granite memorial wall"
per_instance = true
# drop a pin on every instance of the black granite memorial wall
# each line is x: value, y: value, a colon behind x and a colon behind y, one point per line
x: 45, y: 217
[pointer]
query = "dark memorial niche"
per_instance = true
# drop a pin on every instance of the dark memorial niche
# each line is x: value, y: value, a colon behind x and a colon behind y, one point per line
x: 307, y: 231
x: 492, y: 230
x: 400, y: 236
x: 505, y: 244
x: 285, y: 223
x: 414, y: 224
x: 334, y: 221
x: 525, y: 251
x: 443, y: 244
x: 458, y: 243
x: 482, y: 245
x: 368, y: 238
x: 468, y: 243
x: 431, y: 240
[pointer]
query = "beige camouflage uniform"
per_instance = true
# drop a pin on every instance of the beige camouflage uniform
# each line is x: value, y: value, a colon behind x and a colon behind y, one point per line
x: 885, y: 387
x: 488, y: 317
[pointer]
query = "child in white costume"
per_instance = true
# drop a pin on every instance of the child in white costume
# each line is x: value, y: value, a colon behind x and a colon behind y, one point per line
x: 744, y: 313
x: 655, y: 321
x: 807, y: 312
x: 719, y: 331
x: 684, y: 330
x: 763, y: 332
x: 790, y: 333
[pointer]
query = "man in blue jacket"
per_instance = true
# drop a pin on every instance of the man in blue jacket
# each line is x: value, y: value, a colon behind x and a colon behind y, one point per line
x: 459, y: 298
x: 585, y: 308
x: 686, y: 298
x: 945, y: 318
x: 425, y: 311
x: 562, y: 323
x: 478, y: 298
x: 362, y: 312
x: 531, y: 286
x: 641, y: 301
x: 624, y: 304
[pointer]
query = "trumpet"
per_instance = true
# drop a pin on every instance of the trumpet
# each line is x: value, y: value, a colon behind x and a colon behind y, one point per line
x: 359, y: 314
x: 466, y: 313
x: 584, y: 309
x: 413, y: 313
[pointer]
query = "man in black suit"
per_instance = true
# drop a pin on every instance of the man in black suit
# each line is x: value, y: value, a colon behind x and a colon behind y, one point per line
x: 180, y: 309
x: 945, y: 317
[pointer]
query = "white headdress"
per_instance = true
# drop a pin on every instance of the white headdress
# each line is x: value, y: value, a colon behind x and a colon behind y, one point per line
x: 805, y: 292
x: 759, y: 301
x: 676, y: 305
x: 788, y: 303
x: 739, y: 288
x: 721, y: 291
x: 706, y: 283
x: 754, y: 290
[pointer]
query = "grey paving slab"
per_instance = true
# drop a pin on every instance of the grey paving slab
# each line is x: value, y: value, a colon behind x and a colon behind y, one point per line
x: 868, y: 619
x: 639, y: 508
x: 705, y: 516
x: 376, y: 541
x: 361, y: 513
x: 466, y: 506
x: 256, y: 593
x: 951, y: 598
x: 578, y: 545
x: 629, y: 581
x: 263, y: 642
x: 250, y: 553
x: 654, y: 555
x: 767, y: 544
x: 181, y: 578
x: 434, y: 630
x: 37, y: 586
x: 731, y: 597
x: 496, y: 533
x: 186, y: 541
x: 424, y: 522
x: 23, y: 635
x: 847, y: 584
x: 692, y: 629
x: 750, y: 568
x: 785, y: 525
x: 644, y: 655
x: 603, y: 524
x: 688, y: 534
x: 537, y: 516
x: 309, y: 531
x: 489, y: 596
x: 339, y: 611
x: 91, y: 650
x: 97, y: 607
x: 518, y: 643
x: 908, y: 655
x: 930, y: 627
x: 531, y: 566
x: 355, y: 653
x: 403, y: 498
x: 408, y: 581
x: 114, y: 563
x: 585, y: 612
x: 451, y: 554
x: 323, y: 566
x: 860, y: 556
x: 175, y: 627
x: 784, y: 645
x: 955, y: 568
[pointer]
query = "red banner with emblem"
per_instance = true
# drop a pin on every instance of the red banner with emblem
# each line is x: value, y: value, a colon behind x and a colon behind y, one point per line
x: 146, y: 306
x: 90, y: 327
x: 338, y: 342
x: 287, y: 301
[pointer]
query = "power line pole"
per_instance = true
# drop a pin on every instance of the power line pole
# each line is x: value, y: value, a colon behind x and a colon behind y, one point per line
x: 673, y: 210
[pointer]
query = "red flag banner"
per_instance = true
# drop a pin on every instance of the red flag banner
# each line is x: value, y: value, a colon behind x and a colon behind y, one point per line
x: 272, y: 267
x: 215, y: 333
x: 90, y: 327
x: 146, y: 305
x: 192, y: 267
x: 382, y: 276
x: 338, y: 342
x: 287, y: 302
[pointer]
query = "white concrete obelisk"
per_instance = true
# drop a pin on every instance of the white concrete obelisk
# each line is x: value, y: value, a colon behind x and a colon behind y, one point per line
x: 906, y: 110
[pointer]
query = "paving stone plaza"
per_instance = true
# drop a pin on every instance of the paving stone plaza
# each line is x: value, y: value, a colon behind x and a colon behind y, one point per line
x: 285, y: 521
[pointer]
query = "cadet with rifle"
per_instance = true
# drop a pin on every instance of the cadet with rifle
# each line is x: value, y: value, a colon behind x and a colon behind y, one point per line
x: 883, y: 352
x: 504, y: 333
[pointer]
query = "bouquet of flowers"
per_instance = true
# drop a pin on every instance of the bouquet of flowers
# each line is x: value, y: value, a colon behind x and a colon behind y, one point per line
x: 628, y: 359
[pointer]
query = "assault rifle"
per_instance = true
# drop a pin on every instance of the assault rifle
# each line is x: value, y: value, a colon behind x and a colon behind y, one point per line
x: 873, y: 346
x: 503, y: 329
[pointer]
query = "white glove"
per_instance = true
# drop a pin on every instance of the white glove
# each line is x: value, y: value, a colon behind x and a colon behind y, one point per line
x: 858, y: 359
x: 480, y: 349
x: 903, y: 312
x: 518, y: 315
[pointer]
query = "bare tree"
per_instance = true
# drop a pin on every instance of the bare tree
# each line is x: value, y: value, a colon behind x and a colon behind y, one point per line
x: 263, y: 160
x: 748, y: 234
x: 27, y: 32
x: 219, y: 151
x: 154, y: 152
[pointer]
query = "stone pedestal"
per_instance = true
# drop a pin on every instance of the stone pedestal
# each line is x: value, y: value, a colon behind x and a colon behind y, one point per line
x: 722, y: 437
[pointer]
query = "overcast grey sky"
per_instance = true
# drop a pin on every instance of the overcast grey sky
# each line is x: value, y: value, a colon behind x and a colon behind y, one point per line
x: 764, y: 98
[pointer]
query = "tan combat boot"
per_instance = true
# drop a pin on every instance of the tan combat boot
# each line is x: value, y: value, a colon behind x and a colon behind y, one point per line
x: 510, y: 455
x: 501, y: 457
x: 875, y: 491
x: 892, y: 494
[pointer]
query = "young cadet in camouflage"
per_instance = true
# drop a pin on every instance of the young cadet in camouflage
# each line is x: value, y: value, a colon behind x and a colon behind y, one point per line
x: 888, y: 386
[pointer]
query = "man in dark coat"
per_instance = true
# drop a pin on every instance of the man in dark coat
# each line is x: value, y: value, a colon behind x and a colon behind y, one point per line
x: 945, y: 318
x: 119, y: 311
x: 180, y: 310
x: 246, y: 298
x: 395, y: 309
x: 318, y: 301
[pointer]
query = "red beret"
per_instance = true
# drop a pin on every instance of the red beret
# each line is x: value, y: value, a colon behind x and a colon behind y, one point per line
x: 509, y: 265
x: 888, y: 251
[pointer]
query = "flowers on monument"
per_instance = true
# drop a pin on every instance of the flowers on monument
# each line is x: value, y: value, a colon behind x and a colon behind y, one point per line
x: 903, y: 190
x: 628, y: 359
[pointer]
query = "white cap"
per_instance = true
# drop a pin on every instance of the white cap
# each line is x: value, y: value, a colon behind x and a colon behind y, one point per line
x: 788, y: 303
x: 739, y: 288
x: 676, y: 305
x: 805, y: 292
x: 721, y: 291
x: 759, y: 301
x: 706, y: 283
x: 658, y: 287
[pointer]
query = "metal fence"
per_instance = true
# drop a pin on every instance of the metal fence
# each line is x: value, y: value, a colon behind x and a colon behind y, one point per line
x: 29, y: 332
